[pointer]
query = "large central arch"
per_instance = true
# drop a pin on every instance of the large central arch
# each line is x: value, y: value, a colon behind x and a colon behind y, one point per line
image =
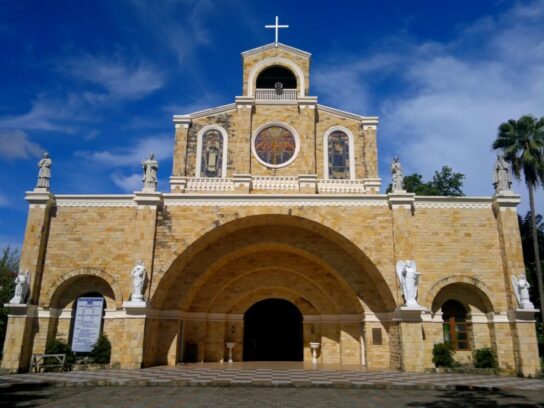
x: 216, y: 279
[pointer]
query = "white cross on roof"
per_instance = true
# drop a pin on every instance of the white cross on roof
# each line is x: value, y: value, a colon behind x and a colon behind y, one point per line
x: 276, y: 27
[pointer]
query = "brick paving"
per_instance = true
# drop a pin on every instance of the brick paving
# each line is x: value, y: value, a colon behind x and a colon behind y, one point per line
x: 273, y: 375
x: 238, y: 397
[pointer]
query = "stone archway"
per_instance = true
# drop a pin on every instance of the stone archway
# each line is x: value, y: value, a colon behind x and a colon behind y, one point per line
x: 224, y: 272
x: 273, y: 331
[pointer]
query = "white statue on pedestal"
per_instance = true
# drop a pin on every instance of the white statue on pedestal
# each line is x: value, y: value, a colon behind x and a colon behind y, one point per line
x: 502, y: 176
x: 138, y: 275
x: 45, y: 172
x: 150, y: 168
x: 409, y: 279
x: 22, y: 285
x: 521, y: 290
x: 397, y: 176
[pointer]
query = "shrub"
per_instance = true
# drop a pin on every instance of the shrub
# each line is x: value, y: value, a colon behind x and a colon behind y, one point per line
x: 101, y: 351
x: 443, y: 355
x: 485, y: 358
x: 60, y: 347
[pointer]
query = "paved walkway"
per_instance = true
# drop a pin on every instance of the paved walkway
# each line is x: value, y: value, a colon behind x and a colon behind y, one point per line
x: 274, y: 375
x: 244, y: 397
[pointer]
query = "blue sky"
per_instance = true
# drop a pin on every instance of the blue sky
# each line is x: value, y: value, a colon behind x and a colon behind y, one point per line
x: 96, y: 83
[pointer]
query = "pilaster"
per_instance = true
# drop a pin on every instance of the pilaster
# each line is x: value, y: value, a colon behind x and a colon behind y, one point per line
x: 369, y: 129
x: 240, y: 140
x: 18, y: 342
x: 522, y: 331
x: 182, y: 124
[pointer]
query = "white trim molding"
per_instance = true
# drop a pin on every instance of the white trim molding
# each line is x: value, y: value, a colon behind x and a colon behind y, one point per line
x: 273, y: 46
x: 252, y: 78
x: 199, y: 136
x: 285, y: 126
x: 351, y: 147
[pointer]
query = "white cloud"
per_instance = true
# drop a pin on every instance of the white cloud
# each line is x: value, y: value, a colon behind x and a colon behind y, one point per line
x: 451, y: 97
x: 4, y: 201
x: 118, y: 78
x: 132, y: 156
x: 50, y: 114
x: 14, y: 144
x: 127, y: 184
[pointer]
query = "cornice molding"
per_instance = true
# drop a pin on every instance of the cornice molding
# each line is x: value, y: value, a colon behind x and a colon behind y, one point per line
x: 183, y: 119
x: 272, y: 46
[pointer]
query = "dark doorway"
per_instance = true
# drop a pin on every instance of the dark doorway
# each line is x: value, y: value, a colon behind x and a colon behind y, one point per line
x: 273, y: 331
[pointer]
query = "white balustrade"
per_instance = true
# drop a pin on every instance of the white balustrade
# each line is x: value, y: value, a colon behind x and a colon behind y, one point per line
x: 275, y: 95
x: 275, y: 183
x: 210, y: 184
x: 332, y: 186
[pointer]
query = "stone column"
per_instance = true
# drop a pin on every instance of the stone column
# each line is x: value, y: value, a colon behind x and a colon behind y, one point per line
x: 22, y: 322
x: 370, y: 128
x: 517, y: 333
x: 182, y: 124
x: 145, y: 224
x: 18, y: 343
x: 409, y: 318
x: 240, y: 139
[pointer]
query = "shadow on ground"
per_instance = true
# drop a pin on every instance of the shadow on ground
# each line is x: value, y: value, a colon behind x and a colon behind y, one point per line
x: 33, y: 395
x: 478, y: 399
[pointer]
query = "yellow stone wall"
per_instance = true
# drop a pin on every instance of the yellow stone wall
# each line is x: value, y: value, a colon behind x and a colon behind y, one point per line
x: 207, y: 263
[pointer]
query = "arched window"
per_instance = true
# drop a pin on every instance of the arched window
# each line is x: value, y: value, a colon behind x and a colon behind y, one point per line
x: 338, y: 158
x: 455, y: 330
x: 211, y: 152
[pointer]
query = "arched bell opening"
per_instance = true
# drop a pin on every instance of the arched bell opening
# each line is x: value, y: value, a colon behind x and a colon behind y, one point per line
x: 273, y: 331
x: 270, y: 77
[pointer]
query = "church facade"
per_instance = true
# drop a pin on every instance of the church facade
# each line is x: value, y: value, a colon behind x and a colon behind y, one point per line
x: 276, y: 241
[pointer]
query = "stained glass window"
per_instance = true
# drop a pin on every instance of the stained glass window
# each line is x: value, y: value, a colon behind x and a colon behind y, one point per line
x: 338, y: 149
x: 275, y: 145
x: 211, y: 162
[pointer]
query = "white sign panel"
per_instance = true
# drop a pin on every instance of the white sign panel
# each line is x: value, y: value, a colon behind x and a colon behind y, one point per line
x: 87, y: 323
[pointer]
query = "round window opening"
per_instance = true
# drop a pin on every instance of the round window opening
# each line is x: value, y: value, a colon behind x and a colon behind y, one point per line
x: 275, y: 146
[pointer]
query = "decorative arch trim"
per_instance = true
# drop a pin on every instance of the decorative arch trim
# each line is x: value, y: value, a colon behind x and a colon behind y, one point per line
x: 252, y: 79
x: 351, y: 147
x: 442, y: 283
x: 199, y: 138
x: 59, y: 284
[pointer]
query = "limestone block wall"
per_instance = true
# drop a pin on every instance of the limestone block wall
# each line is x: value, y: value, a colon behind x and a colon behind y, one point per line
x: 349, y: 248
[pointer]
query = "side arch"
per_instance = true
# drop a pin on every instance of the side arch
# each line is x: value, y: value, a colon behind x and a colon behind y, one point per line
x: 54, y: 294
x: 471, y: 287
x: 252, y: 79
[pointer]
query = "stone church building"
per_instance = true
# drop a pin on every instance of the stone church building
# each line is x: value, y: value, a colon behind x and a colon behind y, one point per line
x: 275, y: 235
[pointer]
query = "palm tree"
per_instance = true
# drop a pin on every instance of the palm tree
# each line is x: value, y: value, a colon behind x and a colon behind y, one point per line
x: 522, y: 144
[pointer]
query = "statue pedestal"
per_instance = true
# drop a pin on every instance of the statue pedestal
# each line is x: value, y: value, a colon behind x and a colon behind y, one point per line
x: 523, y: 315
x: 135, y: 307
x: 230, y: 346
x: 314, y: 346
x: 410, y: 313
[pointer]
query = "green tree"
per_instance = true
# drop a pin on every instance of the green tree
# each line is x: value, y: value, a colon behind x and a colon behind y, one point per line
x: 448, y: 183
x: 9, y: 263
x: 444, y: 183
x: 522, y: 144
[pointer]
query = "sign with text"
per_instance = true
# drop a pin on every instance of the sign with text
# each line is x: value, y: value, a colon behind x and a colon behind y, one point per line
x: 87, y: 324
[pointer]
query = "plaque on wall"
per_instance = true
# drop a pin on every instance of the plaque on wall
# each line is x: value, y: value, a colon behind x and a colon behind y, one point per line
x: 87, y: 323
